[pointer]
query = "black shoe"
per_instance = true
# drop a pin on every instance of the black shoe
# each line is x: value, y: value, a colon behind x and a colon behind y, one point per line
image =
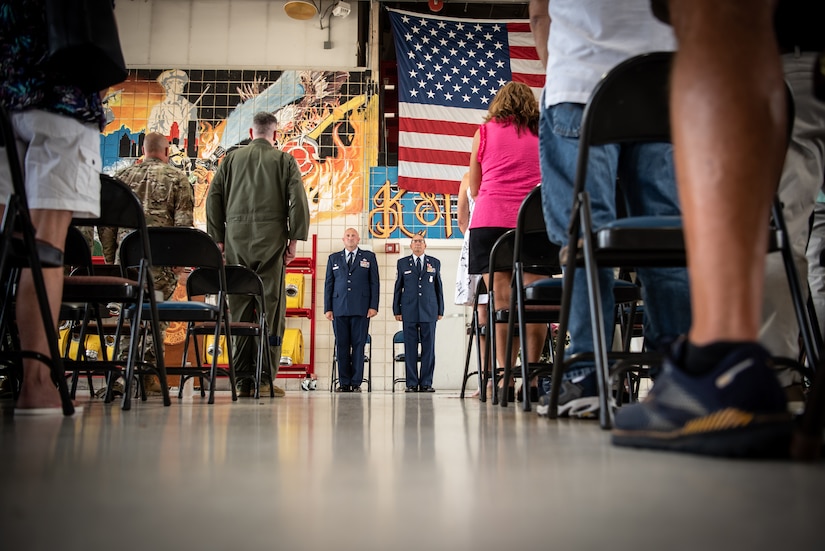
x: 511, y: 393
x: 426, y: 388
x: 534, y: 394
x: 355, y: 389
x: 411, y: 389
x: 343, y: 388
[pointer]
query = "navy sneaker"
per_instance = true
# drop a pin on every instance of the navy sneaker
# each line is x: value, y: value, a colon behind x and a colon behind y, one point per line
x: 737, y: 410
x: 575, y: 400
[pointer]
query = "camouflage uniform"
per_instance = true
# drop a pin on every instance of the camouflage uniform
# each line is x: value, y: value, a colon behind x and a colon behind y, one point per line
x: 108, y: 241
x: 167, y: 199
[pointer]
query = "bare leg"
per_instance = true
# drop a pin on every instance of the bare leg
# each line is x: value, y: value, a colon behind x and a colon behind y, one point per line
x: 501, y: 290
x: 535, y: 332
x: 727, y: 77
x: 38, y: 390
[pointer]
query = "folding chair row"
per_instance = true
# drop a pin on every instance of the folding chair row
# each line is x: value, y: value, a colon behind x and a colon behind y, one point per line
x: 140, y: 312
x: 631, y: 105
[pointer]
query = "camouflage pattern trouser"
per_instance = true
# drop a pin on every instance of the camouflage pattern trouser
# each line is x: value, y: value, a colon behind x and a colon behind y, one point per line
x: 165, y: 283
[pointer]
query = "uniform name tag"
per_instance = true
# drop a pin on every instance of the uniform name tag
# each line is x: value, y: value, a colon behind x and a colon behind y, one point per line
x: 408, y: 272
x: 335, y: 266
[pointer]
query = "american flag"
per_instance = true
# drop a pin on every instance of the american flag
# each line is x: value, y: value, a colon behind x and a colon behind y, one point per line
x: 449, y: 70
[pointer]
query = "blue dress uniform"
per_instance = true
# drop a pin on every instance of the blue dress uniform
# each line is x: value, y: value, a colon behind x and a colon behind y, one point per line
x: 419, y: 299
x: 349, y: 293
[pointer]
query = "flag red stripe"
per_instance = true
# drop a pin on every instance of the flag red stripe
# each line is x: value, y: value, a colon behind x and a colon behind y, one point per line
x: 434, y: 156
x: 518, y: 28
x: 533, y: 81
x: 430, y: 126
x: 428, y: 186
x: 523, y: 52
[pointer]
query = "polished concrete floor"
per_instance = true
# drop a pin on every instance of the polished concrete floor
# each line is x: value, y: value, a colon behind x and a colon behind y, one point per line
x: 379, y: 471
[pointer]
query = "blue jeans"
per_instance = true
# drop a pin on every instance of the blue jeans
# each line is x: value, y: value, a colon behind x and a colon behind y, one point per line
x: 648, y: 181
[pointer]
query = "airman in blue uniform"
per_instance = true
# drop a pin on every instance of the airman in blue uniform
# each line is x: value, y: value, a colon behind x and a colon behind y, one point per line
x: 418, y: 303
x: 351, y: 292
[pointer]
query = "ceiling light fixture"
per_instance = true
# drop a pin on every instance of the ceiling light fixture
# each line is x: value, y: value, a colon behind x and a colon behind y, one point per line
x: 300, y: 9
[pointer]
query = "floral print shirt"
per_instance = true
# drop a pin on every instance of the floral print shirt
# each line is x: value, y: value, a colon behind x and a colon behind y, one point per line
x: 25, y: 83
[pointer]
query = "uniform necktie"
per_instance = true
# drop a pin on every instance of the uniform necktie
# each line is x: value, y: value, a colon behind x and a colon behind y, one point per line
x: 418, y: 264
x: 349, y: 260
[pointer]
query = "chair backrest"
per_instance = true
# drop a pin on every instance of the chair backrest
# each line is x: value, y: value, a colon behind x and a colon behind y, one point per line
x: 632, y: 104
x: 240, y: 280
x: 501, y: 254
x: 174, y: 247
x: 501, y: 260
x: 76, y: 252
x: 531, y: 229
x: 119, y: 206
x: 398, y: 337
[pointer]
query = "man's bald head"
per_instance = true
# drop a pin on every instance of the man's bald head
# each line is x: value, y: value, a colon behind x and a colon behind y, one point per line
x: 156, y: 145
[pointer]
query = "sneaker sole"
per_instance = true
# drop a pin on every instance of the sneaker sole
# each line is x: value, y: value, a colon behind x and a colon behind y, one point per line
x: 762, y: 436
x: 580, y: 408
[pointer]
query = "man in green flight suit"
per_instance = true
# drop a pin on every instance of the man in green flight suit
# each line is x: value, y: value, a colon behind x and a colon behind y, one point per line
x: 256, y: 211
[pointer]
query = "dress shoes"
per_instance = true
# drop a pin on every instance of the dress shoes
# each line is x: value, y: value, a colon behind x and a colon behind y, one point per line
x: 426, y: 388
x: 355, y: 389
x: 343, y: 388
x: 411, y: 389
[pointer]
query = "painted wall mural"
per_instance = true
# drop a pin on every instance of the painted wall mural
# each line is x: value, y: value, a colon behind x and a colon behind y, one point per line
x: 396, y: 214
x: 326, y: 120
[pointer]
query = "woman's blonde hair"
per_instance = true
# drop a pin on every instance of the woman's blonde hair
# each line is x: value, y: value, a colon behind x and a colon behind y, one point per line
x: 515, y: 104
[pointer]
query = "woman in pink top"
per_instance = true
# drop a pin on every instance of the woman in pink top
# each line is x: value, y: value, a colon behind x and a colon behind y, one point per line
x: 504, y: 167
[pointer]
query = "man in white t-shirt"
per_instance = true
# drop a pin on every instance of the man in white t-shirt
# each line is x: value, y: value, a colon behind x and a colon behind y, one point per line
x: 586, y: 39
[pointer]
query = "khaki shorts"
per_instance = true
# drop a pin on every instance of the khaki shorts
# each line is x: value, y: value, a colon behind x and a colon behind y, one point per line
x: 61, y: 163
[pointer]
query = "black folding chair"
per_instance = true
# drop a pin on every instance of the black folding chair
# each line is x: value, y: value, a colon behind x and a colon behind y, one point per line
x: 477, y: 330
x: 188, y: 247
x: 240, y: 280
x: 120, y: 207
x: 86, y: 318
x: 400, y: 358
x: 333, y: 374
x: 501, y: 260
